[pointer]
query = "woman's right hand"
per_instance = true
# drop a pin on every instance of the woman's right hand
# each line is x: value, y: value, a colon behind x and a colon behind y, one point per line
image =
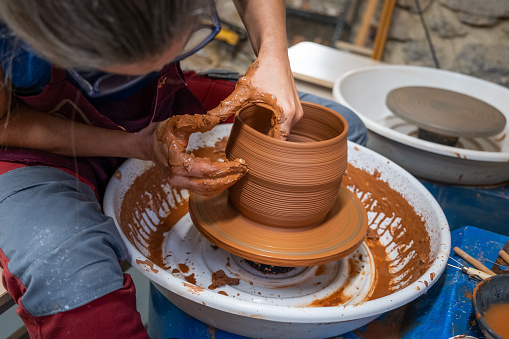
x: 169, y: 141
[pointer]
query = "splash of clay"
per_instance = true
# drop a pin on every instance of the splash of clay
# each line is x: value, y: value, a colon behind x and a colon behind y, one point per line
x: 220, y: 278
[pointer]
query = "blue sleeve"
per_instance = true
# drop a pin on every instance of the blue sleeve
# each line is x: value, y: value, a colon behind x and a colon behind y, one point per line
x: 28, y: 72
x: 357, y: 131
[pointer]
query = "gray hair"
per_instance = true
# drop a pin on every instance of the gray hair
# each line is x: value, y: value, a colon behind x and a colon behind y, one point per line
x: 101, y: 33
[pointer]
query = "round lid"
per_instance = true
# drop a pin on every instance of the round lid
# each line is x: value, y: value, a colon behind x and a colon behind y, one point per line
x: 341, y: 233
x: 445, y: 112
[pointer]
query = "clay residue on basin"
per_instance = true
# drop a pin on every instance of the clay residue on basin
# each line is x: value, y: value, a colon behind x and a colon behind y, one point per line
x: 151, y: 207
x: 397, y: 239
x: 220, y: 279
x: 340, y: 296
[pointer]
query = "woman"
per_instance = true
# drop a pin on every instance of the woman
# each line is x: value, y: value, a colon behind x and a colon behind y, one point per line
x: 88, y: 84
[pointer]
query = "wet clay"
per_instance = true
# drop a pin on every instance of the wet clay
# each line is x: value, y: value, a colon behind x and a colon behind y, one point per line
x: 173, y: 136
x: 496, y: 318
x: 136, y: 201
x: 149, y: 265
x: 397, y: 236
x: 340, y: 234
x: 190, y: 279
x: 213, y: 176
x: 246, y: 94
x: 158, y: 193
x: 339, y: 296
x: 220, y: 278
x: 294, y: 183
x: 401, y: 252
x: 214, y: 153
x: 372, y: 234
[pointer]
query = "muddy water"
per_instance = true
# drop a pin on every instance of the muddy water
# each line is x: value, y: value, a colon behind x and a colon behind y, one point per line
x: 496, y: 318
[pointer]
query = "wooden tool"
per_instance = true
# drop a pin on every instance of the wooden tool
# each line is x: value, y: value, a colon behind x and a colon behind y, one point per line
x: 474, y: 262
x: 503, y: 254
x: 365, y: 25
x: 472, y: 272
x: 383, y: 29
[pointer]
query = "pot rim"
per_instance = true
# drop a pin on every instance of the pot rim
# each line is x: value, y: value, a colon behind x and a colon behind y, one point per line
x: 293, y: 144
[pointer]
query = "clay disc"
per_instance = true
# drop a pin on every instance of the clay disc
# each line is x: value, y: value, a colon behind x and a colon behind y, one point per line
x: 445, y: 112
x: 341, y: 233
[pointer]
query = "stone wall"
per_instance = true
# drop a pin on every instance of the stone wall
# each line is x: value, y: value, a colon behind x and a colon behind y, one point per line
x: 468, y: 36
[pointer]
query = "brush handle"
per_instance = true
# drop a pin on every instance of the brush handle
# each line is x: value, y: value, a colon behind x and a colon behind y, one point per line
x: 477, y: 264
x: 472, y: 271
x: 503, y: 254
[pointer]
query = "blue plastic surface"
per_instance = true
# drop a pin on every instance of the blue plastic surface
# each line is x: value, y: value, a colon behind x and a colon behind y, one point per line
x: 444, y: 311
x: 484, y: 207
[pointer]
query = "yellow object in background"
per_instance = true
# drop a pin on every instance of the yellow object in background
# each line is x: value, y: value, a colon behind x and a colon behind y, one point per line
x: 230, y: 37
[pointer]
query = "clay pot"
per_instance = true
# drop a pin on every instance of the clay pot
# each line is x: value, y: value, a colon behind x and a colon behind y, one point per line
x: 290, y: 183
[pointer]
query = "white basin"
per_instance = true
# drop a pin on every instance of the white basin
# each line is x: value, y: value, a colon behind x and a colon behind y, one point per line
x: 257, y: 310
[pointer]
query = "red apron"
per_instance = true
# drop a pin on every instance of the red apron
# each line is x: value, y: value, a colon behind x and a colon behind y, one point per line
x: 114, y: 313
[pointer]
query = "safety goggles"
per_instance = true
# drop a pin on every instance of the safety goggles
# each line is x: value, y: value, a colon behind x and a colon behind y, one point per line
x: 99, y: 84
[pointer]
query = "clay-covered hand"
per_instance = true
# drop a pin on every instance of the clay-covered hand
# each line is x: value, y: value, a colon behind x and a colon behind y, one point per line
x: 275, y: 76
x: 249, y: 90
x: 199, y: 175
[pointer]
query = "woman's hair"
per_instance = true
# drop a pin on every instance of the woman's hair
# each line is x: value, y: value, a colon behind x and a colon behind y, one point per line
x: 101, y: 33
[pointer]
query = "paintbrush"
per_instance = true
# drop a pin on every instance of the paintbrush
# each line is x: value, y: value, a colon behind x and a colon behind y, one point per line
x: 472, y: 272
x: 474, y: 262
x: 503, y: 254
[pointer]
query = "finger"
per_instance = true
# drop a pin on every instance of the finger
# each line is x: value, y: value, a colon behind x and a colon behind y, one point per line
x: 188, y: 184
x: 204, y: 168
x: 280, y: 126
x: 280, y: 131
x: 213, y: 186
x: 241, y: 96
x: 205, y: 187
x: 293, y: 115
x: 188, y: 124
x: 268, y: 101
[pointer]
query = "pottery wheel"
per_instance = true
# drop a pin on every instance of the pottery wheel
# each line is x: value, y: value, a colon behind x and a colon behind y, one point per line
x: 445, y: 112
x: 341, y: 233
